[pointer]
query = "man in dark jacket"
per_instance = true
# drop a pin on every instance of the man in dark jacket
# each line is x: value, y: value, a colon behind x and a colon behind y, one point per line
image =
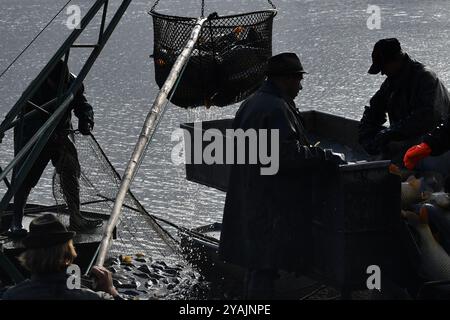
x: 412, y: 96
x: 267, y: 218
x: 59, y: 149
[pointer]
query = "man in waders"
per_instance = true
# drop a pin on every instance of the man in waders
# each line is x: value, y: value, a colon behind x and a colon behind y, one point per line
x: 267, y: 218
x: 412, y: 97
x: 59, y: 149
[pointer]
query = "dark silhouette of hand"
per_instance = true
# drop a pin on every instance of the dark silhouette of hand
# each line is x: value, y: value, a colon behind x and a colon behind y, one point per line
x: 85, y: 127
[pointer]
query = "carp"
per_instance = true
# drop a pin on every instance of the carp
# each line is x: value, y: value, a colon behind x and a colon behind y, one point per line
x: 434, y: 261
x: 441, y: 199
x: 411, y: 191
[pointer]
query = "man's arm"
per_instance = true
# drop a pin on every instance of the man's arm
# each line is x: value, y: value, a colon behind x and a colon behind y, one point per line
x: 292, y: 153
x: 374, y: 116
x: 105, y: 282
x: 434, y: 143
x: 83, y: 111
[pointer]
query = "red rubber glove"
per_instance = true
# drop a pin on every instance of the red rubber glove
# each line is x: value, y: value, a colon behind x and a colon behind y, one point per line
x: 415, y: 154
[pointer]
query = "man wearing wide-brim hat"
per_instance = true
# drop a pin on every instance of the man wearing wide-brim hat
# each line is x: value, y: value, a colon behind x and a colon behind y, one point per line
x: 49, y: 251
x: 412, y: 97
x: 266, y: 221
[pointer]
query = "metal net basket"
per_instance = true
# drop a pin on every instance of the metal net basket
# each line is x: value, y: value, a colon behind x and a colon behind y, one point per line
x: 228, y: 62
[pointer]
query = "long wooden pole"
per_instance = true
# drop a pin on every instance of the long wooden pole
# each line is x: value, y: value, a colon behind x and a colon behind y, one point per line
x: 145, y: 137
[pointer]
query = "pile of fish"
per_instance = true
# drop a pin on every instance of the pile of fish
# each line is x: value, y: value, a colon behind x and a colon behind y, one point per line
x: 426, y: 208
x: 138, y: 277
x: 427, y: 189
x: 425, y: 196
x: 434, y: 261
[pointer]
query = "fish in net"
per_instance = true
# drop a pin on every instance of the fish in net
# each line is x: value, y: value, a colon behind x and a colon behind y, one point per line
x: 228, y: 62
x: 98, y: 186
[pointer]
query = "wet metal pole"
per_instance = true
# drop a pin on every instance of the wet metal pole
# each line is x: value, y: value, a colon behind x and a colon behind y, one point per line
x: 144, y: 138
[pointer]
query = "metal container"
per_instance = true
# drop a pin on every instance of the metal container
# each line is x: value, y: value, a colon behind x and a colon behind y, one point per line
x: 356, y: 213
x: 355, y: 224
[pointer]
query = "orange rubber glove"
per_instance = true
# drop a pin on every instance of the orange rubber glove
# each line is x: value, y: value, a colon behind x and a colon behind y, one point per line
x: 415, y: 154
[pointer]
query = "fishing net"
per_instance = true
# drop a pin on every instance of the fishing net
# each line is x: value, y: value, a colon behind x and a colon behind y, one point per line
x: 228, y: 62
x: 145, y: 255
x: 99, y: 182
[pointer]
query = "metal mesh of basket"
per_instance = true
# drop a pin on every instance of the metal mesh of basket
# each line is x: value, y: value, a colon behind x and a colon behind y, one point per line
x: 228, y: 62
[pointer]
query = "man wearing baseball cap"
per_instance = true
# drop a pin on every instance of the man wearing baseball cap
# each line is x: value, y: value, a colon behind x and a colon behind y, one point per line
x: 412, y: 97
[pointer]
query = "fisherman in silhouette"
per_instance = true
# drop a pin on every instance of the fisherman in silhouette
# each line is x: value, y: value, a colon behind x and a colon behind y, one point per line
x: 59, y: 149
x: 412, y: 97
x: 267, y: 218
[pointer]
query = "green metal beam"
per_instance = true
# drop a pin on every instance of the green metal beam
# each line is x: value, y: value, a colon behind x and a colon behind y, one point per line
x: 38, y: 141
x: 31, y: 89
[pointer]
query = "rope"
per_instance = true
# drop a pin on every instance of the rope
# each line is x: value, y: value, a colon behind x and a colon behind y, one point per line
x: 203, y: 6
x: 271, y: 3
x: 157, y: 2
x: 32, y: 41
x: 154, y: 6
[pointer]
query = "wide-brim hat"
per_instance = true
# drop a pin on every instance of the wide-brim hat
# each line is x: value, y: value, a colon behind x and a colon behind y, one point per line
x: 46, y: 231
x: 385, y: 50
x: 285, y: 64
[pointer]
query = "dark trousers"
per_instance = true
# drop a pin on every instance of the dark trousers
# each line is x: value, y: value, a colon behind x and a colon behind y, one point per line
x: 63, y: 155
x: 259, y: 284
